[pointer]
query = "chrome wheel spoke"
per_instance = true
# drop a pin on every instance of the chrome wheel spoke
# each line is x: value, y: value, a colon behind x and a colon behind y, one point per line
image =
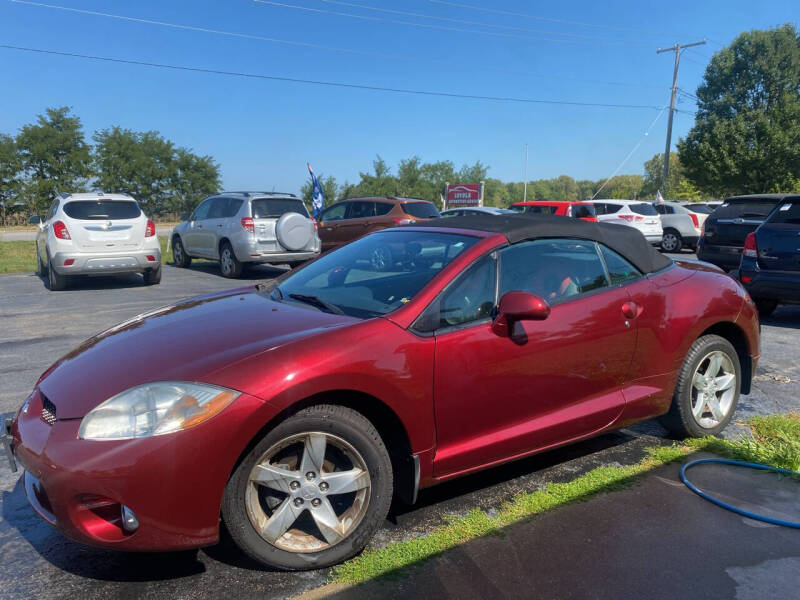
x: 280, y: 521
x: 724, y: 382
x: 699, y: 382
x: 342, y: 482
x: 274, y: 477
x: 699, y: 408
x: 328, y: 523
x: 313, y: 453
x: 714, y: 365
x: 713, y: 404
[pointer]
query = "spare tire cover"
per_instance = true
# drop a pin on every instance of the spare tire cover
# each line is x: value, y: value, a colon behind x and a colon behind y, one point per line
x: 294, y: 231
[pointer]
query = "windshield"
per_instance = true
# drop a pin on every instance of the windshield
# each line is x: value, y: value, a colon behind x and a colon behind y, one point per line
x: 95, y: 210
x: 373, y: 275
x: 272, y: 208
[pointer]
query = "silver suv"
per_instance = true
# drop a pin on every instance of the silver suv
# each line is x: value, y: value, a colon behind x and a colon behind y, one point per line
x: 96, y: 233
x: 238, y: 228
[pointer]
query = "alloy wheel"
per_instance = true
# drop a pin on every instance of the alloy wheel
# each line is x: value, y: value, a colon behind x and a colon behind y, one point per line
x: 308, y: 492
x: 713, y: 389
x: 177, y: 253
x: 669, y: 242
x: 226, y: 262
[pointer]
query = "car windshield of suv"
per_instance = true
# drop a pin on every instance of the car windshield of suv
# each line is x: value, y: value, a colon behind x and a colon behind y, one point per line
x: 643, y: 209
x: 272, y: 208
x: 102, y: 210
x: 744, y: 210
x: 421, y: 210
x: 374, y: 275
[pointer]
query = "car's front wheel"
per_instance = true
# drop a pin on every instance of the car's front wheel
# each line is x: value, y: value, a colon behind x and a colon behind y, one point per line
x: 707, y: 391
x: 312, y: 492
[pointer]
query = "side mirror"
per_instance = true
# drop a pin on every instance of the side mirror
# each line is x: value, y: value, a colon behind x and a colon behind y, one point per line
x: 184, y: 216
x: 35, y: 220
x: 518, y: 306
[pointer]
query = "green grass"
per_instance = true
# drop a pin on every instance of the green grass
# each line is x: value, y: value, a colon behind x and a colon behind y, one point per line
x: 775, y: 441
x: 20, y: 257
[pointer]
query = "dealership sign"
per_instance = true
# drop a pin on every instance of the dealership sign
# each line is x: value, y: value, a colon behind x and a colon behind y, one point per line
x: 464, y: 194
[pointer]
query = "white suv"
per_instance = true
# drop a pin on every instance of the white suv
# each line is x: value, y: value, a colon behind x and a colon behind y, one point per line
x: 633, y: 213
x: 96, y: 234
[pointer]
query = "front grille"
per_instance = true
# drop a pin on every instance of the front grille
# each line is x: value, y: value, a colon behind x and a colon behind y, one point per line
x: 48, y: 410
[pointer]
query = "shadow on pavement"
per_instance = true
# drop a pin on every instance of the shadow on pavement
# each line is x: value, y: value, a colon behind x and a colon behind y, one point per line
x: 249, y: 273
x: 785, y: 317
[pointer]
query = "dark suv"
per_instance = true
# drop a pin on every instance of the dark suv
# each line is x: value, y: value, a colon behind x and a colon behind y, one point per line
x: 770, y: 268
x: 725, y: 230
x: 349, y: 219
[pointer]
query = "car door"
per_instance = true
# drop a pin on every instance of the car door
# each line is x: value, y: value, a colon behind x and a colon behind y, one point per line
x: 329, y: 222
x: 212, y: 227
x: 554, y: 380
x: 357, y: 220
x: 193, y: 237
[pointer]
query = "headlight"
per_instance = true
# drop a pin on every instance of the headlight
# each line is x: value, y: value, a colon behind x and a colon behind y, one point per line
x: 155, y: 409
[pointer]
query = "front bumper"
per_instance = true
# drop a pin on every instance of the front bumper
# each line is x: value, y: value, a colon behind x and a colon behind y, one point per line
x: 89, y: 263
x: 173, y: 483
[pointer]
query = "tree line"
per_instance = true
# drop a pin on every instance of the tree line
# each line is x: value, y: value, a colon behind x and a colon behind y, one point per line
x: 52, y: 156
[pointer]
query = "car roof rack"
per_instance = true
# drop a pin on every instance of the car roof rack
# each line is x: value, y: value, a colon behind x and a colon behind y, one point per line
x: 260, y: 194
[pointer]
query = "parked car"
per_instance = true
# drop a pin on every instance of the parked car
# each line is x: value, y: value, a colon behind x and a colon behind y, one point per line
x: 349, y: 219
x: 96, y: 234
x: 640, y: 215
x: 476, y: 211
x: 722, y: 238
x: 681, y: 227
x: 579, y: 210
x: 701, y: 209
x: 293, y: 411
x: 770, y: 267
x: 246, y: 228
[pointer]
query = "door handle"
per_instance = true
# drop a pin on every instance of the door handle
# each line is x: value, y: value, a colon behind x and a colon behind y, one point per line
x: 630, y: 309
x: 199, y: 226
x: 220, y: 225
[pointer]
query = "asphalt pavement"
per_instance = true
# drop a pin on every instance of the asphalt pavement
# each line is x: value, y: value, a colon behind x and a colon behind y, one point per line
x: 38, y: 326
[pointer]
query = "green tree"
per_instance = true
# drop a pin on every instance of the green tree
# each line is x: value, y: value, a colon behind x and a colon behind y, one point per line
x: 622, y: 187
x: 746, y: 133
x: 10, y: 170
x: 54, y: 156
x: 194, y: 177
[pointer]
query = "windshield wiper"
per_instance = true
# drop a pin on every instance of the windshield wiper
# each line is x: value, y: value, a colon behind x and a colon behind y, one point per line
x: 318, y: 302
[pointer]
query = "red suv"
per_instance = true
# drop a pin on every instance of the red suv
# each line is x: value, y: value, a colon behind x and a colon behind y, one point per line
x: 579, y: 210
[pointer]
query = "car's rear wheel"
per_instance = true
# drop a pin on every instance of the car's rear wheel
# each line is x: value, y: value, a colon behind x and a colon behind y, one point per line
x: 707, y: 391
x: 179, y: 256
x: 228, y: 263
x: 312, y: 492
x: 55, y: 280
x: 766, y: 307
x: 671, y: 241
x: 153, y: 276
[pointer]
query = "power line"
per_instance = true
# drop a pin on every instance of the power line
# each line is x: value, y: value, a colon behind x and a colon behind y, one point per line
x: 421, y: 25
x: 509, y: 13
x: 459, y: 21
x: 329, y: 83
x: 261, y: 38
x: 685, y: 93
x: 635, y: 148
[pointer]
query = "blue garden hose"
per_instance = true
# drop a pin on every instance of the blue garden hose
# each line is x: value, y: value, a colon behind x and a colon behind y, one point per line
x: 730, y: 507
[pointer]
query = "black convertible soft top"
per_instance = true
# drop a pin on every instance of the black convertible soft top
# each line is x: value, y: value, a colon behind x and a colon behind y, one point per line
x: 627, y: 241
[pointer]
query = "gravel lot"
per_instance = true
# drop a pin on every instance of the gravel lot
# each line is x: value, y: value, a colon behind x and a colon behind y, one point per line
x: 38, y: 326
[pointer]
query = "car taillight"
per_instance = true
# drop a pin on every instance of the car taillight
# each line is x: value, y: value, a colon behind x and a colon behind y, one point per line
x: 694, y: 220
x: 150, y: 230
x: 60, y: 231
x: 750, y: 247
x: 398, y: 221
x: 248, y: 225
x: 631, y: 218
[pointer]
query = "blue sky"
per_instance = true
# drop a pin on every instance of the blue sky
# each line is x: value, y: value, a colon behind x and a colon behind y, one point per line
x: 262, y: 132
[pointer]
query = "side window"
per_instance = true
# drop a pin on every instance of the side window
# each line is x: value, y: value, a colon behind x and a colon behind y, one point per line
x: 554, y: 269
x: 51, y: 212
x: 541, y: 209
x: 360, y: 210
x: 471, y: 297
x: 334, y: 213
x: 661, y: 209
x: 234, y: 204
x: 218, y: 208
x: 613, y: 208
x: 599, y: 208
x: 201, y: 212
x: 619, y: 269
x: 382, y: 208
x: 787, y: 214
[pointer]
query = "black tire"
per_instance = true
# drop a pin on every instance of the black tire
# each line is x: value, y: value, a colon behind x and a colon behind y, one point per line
x: 55, y: 281
x: 766, y: 307
x: 671, y: 241
x: 152, y: 276
x: 179, y: 256
x: 229, y: 265
x: 680, y: 420
x: 41, y: 271
x: 339, y: 421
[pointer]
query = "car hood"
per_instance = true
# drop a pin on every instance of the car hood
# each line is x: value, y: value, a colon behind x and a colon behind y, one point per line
x: 187, y: 341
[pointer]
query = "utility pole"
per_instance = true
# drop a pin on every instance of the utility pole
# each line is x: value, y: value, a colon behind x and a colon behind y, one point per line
x: 525, y: 185
x: 677, y: 50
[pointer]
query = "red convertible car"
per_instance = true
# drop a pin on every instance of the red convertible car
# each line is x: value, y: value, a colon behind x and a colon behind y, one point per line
x: 294, y: 411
